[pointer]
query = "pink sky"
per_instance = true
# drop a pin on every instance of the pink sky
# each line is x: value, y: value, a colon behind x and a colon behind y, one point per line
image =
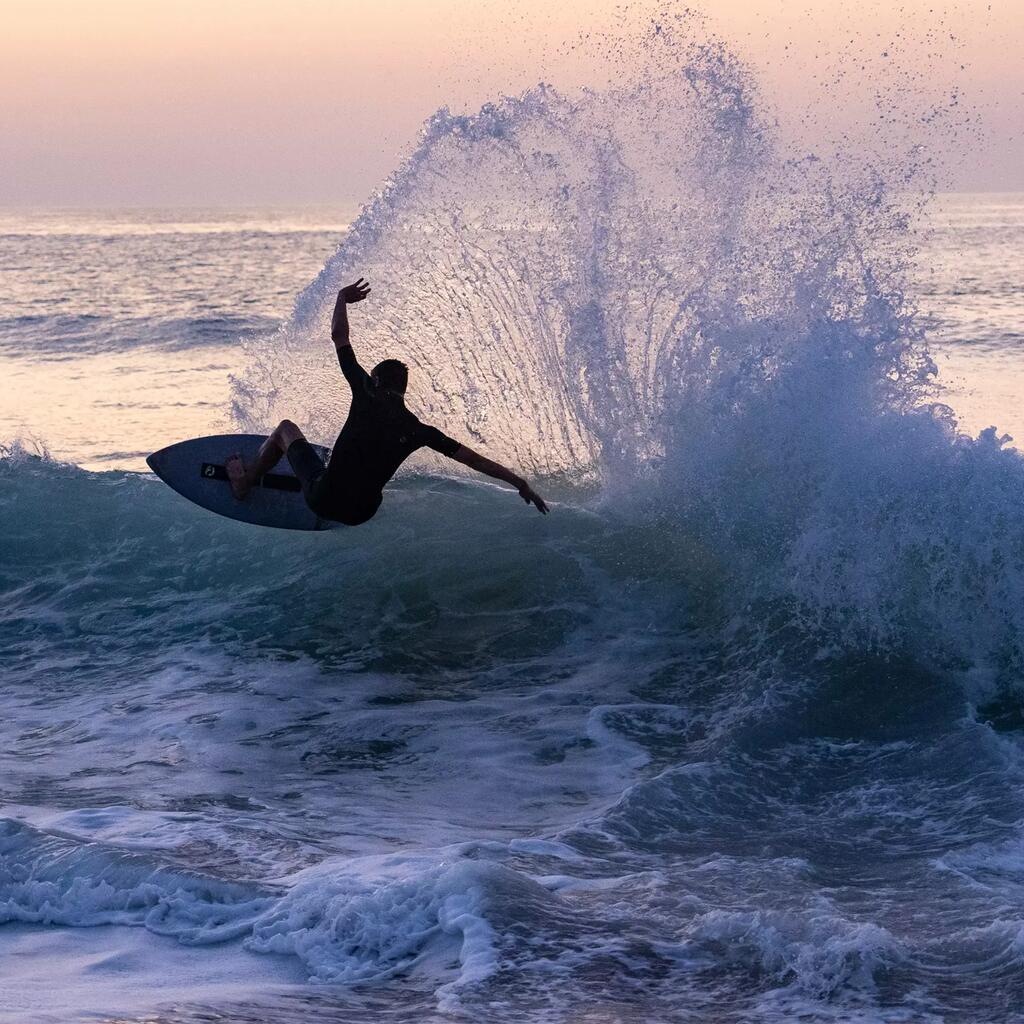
x: 133, y: 102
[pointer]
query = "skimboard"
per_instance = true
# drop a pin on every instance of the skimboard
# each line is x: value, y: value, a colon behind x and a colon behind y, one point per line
x: 195, y: 469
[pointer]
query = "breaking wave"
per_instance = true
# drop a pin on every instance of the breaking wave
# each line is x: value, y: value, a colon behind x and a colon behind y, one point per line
x: 637, y: 288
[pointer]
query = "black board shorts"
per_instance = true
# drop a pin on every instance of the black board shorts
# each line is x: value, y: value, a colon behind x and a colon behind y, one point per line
x: 312, y: 473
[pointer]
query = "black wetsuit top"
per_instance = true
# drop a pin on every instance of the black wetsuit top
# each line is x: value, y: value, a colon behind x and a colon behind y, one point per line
x: 378, y: 436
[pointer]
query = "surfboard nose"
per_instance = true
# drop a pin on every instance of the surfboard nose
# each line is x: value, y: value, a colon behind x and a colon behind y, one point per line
x: 196, y: 470
x: 156, y: 461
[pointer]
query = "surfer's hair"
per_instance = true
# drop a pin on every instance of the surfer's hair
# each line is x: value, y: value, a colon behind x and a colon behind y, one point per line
x: 392, y: 374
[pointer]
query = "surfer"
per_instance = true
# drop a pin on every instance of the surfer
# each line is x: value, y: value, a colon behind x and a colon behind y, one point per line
x: 378, y: 436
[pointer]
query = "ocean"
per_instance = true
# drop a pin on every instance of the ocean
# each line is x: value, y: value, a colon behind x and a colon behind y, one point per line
x: 735, y: 734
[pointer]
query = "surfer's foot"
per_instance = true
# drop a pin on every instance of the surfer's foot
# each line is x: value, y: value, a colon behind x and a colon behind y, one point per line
x: 239, y: 479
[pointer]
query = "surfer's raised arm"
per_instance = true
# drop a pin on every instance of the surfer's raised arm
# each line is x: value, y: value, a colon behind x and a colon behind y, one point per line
x: 488, y: 467
x: 354, y: 373
x: 339, y: 321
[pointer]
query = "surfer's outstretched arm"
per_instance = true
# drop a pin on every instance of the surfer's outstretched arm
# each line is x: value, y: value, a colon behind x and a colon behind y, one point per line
x: 482, y: 464
x: 340, y: 334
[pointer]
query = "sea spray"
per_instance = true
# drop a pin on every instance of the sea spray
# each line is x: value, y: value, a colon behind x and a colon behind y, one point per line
x: 638, y: 286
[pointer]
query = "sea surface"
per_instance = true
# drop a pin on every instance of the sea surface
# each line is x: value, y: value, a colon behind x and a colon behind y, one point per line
x: 735, y: 734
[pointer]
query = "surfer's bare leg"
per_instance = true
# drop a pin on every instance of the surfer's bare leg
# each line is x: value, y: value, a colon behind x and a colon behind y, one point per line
x: 243, y: 478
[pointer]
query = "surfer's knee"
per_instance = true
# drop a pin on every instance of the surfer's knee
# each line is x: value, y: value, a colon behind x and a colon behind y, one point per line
x: 288, y: 432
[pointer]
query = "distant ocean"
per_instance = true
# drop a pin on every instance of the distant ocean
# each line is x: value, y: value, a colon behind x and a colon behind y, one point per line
x: 735, y: 734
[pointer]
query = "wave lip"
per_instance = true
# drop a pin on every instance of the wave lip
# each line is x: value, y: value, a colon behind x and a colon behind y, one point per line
x: 369, y: 920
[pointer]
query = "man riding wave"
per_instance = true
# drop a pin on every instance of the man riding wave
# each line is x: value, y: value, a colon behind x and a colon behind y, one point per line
x: 378, y: 436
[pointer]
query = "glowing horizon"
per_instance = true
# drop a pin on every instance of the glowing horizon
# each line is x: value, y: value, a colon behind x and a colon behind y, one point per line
x: 315, y: 102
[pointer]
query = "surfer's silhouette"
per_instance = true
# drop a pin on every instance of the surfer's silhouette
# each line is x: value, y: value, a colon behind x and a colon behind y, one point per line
x: 379, y: 434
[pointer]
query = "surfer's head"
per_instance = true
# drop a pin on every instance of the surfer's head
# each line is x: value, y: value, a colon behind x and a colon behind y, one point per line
x: 392, y: 374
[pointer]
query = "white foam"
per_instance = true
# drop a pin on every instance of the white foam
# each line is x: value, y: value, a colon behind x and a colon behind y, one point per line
x: 816, y: 951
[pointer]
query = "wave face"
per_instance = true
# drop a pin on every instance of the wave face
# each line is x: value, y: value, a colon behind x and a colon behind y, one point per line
x: 733, y: 735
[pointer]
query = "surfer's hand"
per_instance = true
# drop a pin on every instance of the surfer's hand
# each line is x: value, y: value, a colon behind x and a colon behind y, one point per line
x: 355, y: 292
x: 531, y: 497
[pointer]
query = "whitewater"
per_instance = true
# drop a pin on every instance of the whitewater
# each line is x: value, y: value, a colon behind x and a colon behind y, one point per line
x: 734, y: 734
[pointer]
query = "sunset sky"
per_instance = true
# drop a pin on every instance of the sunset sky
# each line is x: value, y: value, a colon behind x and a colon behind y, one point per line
x: 131, y: 102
